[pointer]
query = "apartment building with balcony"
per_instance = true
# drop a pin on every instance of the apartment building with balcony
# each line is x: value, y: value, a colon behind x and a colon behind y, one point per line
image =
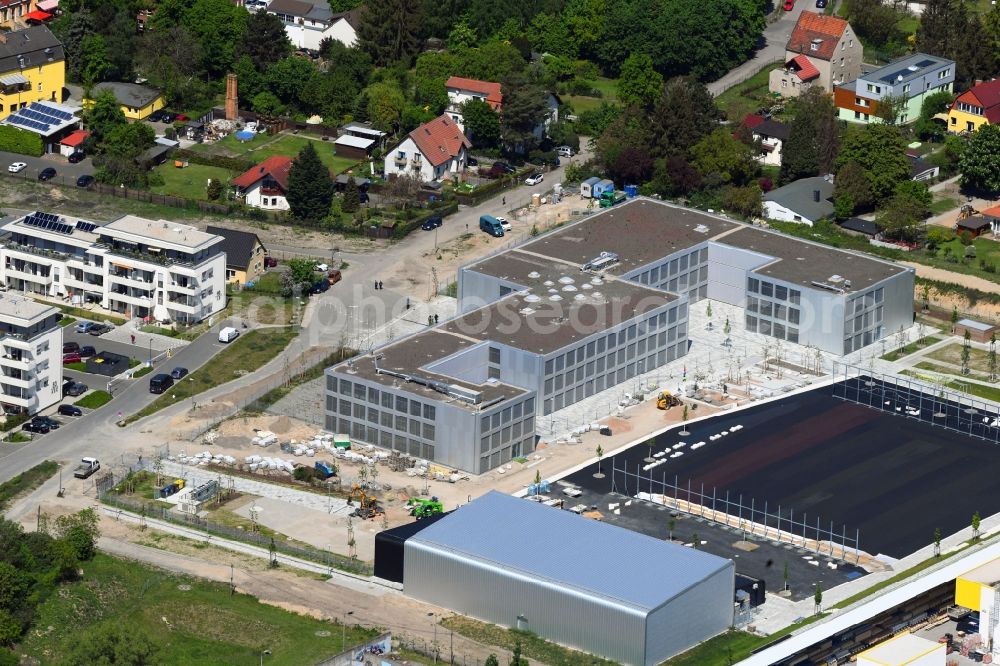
x: 430, y: 152
x: 30, y: 354
x: 908, y: 81
x: 139, y: 268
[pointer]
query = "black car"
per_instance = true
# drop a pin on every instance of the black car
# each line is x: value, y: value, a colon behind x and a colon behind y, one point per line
x: 179, y: 373
x: 84, y: 181
x: 363, y: 197
x: 87, y: 351
x: 820, y: 4
x: 35, y: 428
x: 471, y: 161
x: 167, y: 117
x: 160, y: 383
x: 100, y: 329
x: 75, y: 157
x: 503, y: 166
x: 74, y: 389
x: 48, y: 173
x: 319, y: 287
x: 46, y: 421
x: 71, y: 348
x: 155, y: 116
x: 69, y: 410
x: 432, y: 223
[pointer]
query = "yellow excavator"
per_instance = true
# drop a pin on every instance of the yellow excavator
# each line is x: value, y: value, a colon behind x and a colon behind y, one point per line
x: 666, y: 400
x: 367, y: 505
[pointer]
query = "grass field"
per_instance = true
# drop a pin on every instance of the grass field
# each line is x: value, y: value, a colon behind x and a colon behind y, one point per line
x: 246, y: 354
x: 188, y: 620
x: 609, y: 93
x: 66, y: 321
x: 745, y: 98
x: 264, y: 303
x: 191, y: 181
x: 25, y: 482
x: 262, y: 147
x: 532, y: 646
x: 94, y: 399
x: 978, y: 358
x: 912, y: 347
x: 942, y: 205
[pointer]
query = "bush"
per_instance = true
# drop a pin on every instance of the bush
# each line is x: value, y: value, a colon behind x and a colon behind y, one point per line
x: 229, y: 163
x: 303, y: 473
x: 14, y: 420
x: 13, y: 140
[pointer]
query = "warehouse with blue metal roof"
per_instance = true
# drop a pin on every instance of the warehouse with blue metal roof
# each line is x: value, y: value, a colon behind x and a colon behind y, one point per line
x: 595, y: 587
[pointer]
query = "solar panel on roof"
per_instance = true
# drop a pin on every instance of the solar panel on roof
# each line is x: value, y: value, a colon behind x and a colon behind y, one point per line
x: 85, y: 226
x: 56, y: 113
x: 925, y: 63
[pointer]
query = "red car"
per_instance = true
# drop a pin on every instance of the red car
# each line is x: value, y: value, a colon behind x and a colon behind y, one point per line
x: 180, y: 117
x: 71, y: 358
x: 788, y: 5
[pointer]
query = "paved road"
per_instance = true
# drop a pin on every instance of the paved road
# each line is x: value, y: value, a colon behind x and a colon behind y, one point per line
x: 775, y: 37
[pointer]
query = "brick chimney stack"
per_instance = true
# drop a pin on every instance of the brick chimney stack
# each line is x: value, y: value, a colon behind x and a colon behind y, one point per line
x: 232, y: 101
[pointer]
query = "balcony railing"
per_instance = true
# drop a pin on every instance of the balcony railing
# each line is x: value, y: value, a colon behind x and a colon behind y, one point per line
x: 148, y: 257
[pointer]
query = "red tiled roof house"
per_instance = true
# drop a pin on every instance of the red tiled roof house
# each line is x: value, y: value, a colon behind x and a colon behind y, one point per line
x: 430, y: 152
x: 462, y: 90
x: 264, y: 186
x: 822, y: 51
x: 977, y: 106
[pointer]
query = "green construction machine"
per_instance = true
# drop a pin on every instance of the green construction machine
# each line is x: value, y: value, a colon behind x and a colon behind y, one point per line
x: 423, y: 508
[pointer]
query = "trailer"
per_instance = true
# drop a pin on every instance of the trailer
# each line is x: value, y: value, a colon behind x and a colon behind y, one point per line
x: 601, y: 187
x: 587, y: 187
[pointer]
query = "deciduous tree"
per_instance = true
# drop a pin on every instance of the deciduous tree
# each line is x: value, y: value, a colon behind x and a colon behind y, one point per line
x: 812, y: 137
x: 385, y: 105
x: 880, y: 150
x: 388, y: 30
x: 980, y: 163
x: 482, y: 124
x: 683, y: 116
x: 265, y: 40
x: 720, y: 156
x: 639, y: 83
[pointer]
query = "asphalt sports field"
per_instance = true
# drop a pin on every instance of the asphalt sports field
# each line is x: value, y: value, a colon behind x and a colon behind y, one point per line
x: 894, y: 474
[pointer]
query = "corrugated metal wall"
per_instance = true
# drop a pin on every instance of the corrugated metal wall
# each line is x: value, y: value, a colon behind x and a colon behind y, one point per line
x: 706, y: 609
x: 558, y: 614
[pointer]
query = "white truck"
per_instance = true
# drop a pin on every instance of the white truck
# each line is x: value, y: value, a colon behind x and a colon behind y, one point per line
x: 86, y: 467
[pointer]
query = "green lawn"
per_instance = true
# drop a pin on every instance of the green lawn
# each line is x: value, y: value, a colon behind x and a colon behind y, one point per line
x: 532, y: 646
x: 188, y: 620
x: 246, y: 354
x: 66, y: 321
x: 912, y: 347
x: 94, y: 399
x: 79, y: 366
x: 264, y: 302
x: 190, y: 182
x: 942, y: 205
x: 609, y: 93
x: 25, y: 482
x: 745, y: 98
x: 264, y: 146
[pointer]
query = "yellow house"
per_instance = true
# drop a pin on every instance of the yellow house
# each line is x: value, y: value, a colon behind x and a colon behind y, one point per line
x: 137, y: 101
x: 32, y: 68
x: 975, y: 107
x: 245, y: 254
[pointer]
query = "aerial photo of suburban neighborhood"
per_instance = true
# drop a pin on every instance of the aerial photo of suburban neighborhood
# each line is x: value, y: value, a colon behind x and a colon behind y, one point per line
x: 561, y: 333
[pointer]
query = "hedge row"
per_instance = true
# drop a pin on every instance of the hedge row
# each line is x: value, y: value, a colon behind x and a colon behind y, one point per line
x: 493, y: 188
x: 229, y: 163
x: 14, y: 140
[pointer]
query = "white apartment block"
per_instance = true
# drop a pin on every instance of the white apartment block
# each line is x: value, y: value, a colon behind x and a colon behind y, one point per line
x: 139, y: 268
x: 30, y: 354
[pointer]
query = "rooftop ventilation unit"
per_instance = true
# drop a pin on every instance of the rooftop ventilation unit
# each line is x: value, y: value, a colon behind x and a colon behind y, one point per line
x: 451, y: 390
x: 701, y: 229
x: 835, y: 279
x: 601, y: 262
x: 532, y: 298
x: 569, y: 287
x: 534, y: 275
x: 827, y: 285
x: 566, y: 280
x: 555, y: 297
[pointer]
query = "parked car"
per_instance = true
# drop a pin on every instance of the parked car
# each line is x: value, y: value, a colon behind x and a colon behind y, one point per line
x: 788, y: 5
x: 84, y: 326
x: 47, y: 421
x: 69, y: 410
x: 36, y: 429
x: 71, y: 348
x: 48, y: 173
x: 17, y: 167
x: 160, y: 383
x: 155, y: 116
x: 180, y: 118
x: 820, y: 4
x: 87, y: 351
x: 179, y: 373
x: 503, y: 166
x: 334, y: 276
x: 471, y: 161
x: 74, y: 389
x: 319, y: 287
x: 167, y: 117
x: 270, y: 262
x: 363, y: 197
x: 75, y: 157
x: 504, y: 224
x: 72, y: 358
x: 432, y: 222
x: 85, y: 180
x: 565, y: 151
x: 228, y: 334
x: 100, y: 329
x: 534, y: 179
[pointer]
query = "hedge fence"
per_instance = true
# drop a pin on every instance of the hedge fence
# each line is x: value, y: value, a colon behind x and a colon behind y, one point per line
x: 14, y: 140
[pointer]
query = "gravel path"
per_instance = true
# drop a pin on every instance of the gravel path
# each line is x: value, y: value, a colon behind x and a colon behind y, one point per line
x: 943, y: 275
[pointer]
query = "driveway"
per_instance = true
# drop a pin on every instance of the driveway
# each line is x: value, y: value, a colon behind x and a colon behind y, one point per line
x: 66, y: 173
x: 775, y: 37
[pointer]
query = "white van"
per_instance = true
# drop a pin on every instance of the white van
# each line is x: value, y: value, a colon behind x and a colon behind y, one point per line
x: 228, y: 334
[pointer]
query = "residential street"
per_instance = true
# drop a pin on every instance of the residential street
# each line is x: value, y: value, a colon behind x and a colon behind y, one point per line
x: 775, y: 37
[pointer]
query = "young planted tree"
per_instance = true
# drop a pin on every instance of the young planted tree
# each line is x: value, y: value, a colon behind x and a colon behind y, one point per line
x: 991, y: 357
x: 784, y: 576
x: 818, y: 599
x: 976, y: 521
x: 966, y: 351
x: 937, y: 542
x: 600, y: 454
x: 649, y: 458
x: 671, y: 526
x: 954, y: 317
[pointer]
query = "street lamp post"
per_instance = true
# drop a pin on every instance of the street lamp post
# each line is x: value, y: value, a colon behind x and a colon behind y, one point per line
x: 150, y: 351
x: 343, y: 632
x: 265, y: 653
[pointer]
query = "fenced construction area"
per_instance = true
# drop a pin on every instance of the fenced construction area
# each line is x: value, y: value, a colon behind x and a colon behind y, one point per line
x: 866, y: 464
